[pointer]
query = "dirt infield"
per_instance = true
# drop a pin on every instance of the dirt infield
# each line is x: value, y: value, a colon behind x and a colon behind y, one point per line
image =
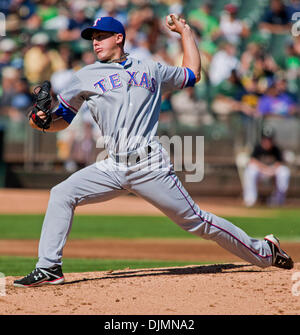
x: 187, y: 250
x: 231, y: 288
x: 35, y: 202
x: 191, y: 290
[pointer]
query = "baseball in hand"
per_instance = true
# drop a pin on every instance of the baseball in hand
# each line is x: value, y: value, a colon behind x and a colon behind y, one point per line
x: 170, y: 20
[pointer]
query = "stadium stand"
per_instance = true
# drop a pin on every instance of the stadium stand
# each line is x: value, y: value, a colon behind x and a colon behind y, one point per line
x: 46, y: 34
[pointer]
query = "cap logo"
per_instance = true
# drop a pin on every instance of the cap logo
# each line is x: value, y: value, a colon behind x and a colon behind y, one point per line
x: 96, y: 22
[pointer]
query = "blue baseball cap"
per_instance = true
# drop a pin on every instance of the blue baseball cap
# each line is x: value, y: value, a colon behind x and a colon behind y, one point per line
x: 105, y: 23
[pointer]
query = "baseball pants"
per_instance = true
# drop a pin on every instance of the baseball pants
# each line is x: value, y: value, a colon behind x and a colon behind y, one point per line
x: 156, y: 183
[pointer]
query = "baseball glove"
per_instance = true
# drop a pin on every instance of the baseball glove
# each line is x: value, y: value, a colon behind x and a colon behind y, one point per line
x: 42, y: 102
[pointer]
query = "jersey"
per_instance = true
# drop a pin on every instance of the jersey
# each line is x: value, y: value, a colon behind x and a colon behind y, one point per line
x: 124, y: 99
x: 268, y: 157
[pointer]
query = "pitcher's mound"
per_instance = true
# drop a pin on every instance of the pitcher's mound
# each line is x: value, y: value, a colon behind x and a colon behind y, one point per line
x: 191, y: 290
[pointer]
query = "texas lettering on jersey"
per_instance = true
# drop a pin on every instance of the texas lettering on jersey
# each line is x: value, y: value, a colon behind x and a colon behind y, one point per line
x: 134, y: 79
x: 122, y: 96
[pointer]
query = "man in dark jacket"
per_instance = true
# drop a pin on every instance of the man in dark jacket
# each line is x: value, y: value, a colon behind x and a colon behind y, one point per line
x: 266, y: 162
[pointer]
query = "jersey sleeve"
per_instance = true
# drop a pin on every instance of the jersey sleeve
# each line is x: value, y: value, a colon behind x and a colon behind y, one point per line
x: 175, y: 77
x: 72, y: 97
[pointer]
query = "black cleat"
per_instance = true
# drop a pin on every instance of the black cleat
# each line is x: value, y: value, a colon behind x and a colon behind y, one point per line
x: 280, y: 258
x: 42, y: 276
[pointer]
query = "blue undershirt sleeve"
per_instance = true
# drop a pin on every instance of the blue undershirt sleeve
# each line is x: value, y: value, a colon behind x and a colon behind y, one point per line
x: 66, y: 113
x: 192, y: 78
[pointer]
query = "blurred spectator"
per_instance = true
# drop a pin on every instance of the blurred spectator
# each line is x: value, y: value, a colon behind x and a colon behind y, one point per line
x: 10, y: 76
x: 66, y: 54
x: 114, y: 8
x: 137, y: 45
x: 276, y: 19
x: 58, y: 22
x: 276, y: 103
x: 152, y: 27
x: 7, y: 48
x: 257, y: 66
x: 37, y: 63
x: 142, y: 33
x: 15, y: 91
x: 26, y: 12
x: 13, y: 104
x: 264, y: 71
x: 162, y: 56
x: 292, y: 65
x: 138, y: 17
x: 283, y: 91
x: 24, y: 8
x: 293, y: 6
x: 232, y: 29
x: 205, y: 26
x: 222, y: 64
x: 189, y: 110
x: 248, y: 59
x: 77, y: 22
x: 40, y: 61
x: 296, y: 45
x: 22, y: 99
x: 202, y: 19
x: 266, y: 162
x: 5, y: 7
x: 228, y: 97
x: 250, y: 96
x: 47, y: 10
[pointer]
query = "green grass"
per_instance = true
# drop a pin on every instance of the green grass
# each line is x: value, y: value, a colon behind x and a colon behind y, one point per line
x: 19, y: 266
x: 92, y: 226
x: 284, y: 223
x: 286, y: 228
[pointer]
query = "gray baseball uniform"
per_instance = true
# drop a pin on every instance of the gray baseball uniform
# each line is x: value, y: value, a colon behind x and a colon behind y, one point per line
x: 125, y: 99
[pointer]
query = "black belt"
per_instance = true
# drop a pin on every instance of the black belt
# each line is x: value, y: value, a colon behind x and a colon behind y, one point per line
x: 134, y: 157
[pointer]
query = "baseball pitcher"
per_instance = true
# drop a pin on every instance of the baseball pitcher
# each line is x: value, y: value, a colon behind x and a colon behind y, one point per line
x: 123, y: 95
